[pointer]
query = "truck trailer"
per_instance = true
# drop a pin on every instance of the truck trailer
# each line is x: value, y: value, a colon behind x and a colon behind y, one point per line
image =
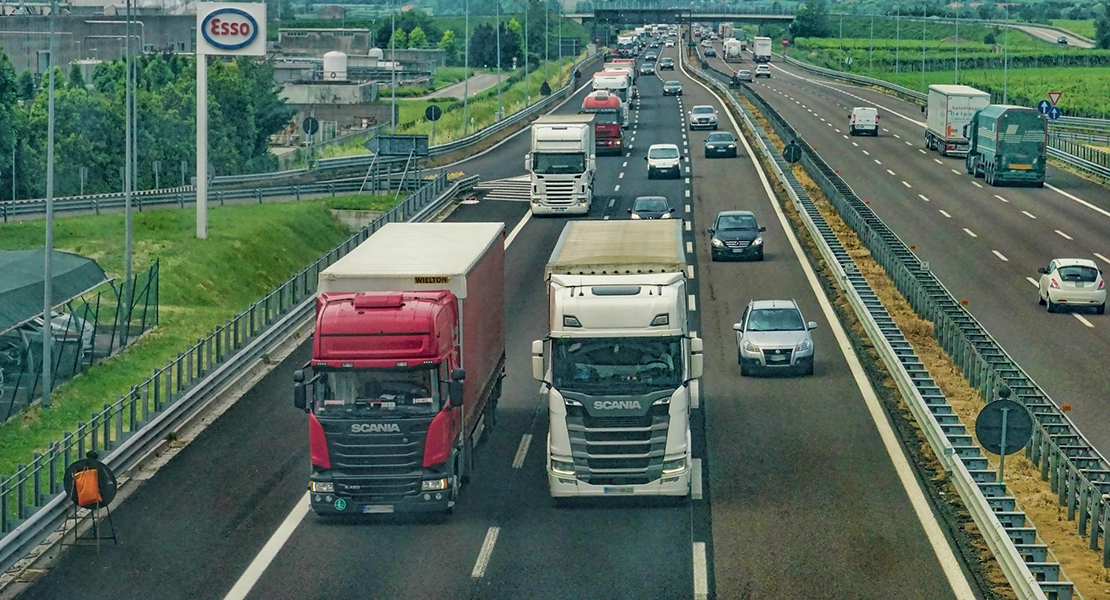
x: 761, y: 50
x: 949, y: 109
x: 1007, y: 144
x: 407, y: 361
x: 562, y: 163
x: 733, y: 50
x: 620, y: 367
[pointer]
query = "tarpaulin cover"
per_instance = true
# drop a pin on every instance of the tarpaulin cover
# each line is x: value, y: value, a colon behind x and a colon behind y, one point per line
x: 21, y: 279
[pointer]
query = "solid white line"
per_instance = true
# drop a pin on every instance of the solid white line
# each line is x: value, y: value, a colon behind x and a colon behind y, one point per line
x: 937, y: 160
x: 906, y: 184
x: 522, y: 451
x: 1028, y: 214
x: 516, y: 230
x: 695, y: 479
x: 1002, y: 199
x: 945, y: 213
x: 906, y: 476
x: 1077, y: 199
x: 1000, y: 256
x: 889, y: 171
x: 976, y: 184
x: 484, y: 554
x: 269, y: 551
x: 692, y: 302
x: 1033, y: 281
x: 922, y: 196
x: 1104, y: 259
x: 970, y: 232
x: 1063, y: 235
x: 1083, y: 320
x: 689, y: 247
x: 701, y: 572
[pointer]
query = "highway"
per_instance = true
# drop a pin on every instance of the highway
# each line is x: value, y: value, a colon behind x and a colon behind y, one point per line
x: 1051, y: 35
x: 804, y: 491
x: 984, y: 243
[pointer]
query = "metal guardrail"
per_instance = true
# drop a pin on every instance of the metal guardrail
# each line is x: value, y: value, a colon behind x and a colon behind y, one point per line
x: 1026, y: 563
x: 1077, y: 472
x: 32, y: 501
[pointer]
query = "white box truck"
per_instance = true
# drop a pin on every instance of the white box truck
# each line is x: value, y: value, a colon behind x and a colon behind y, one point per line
x: 620, y: 367
x: 562, y: 164
x: 761, y: 50
x: 950, y: 108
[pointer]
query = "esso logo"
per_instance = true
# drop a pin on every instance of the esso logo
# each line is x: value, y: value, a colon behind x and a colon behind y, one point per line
x: 229, y: 28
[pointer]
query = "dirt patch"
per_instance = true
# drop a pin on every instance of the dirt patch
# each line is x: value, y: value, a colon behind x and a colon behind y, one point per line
x: 1081, y: 565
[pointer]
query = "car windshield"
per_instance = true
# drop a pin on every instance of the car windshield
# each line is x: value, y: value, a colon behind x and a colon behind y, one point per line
x: 665, y: 61
x: 556, y: 163
x: 1079, y: 274
x: 665, y: 152
x: 650, y: 204
x: 731, y: 222
x: 775, y: 319
x: 411, y: 391
x: 617, y: 365
x: 719, y: 137
x: 672, y: 85
x: 703, y: 110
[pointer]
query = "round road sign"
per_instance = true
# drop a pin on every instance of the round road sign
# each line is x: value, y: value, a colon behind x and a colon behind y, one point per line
x: 792, y: 153
x: 310, y: 125
x: 433, y: 112
x: 1044, y: 106
x: 1019, y: 426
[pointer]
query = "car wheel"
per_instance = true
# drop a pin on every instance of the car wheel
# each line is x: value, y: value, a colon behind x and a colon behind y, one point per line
x: 1050, y: 305
x: 744, y: 370
x: 1100, y: 309
x: 809, y: 367
x: 760, y: 257
x: 1040, y: 300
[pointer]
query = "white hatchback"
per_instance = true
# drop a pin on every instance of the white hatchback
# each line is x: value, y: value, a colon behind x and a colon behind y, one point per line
x: 1072, y: 282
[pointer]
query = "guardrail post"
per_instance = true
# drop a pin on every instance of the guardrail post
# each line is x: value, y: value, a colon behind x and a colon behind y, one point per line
x: 181, y: 200
x: 1096, y: 506
x: 54, y: 483
x: 4, y: 212
x: 20, y: 495
x: 36, y: 487
x: 189, y: 366
x: 297, y: 191
x: 94, y: 430
x: 258, y: 194
x: 1084, y: 496
x: 96, y: 206
x: 4, y: 506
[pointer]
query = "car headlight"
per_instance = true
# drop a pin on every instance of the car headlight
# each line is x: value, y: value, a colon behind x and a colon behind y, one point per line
x: 757, y: 241
x: 748, y: 346
x: 732, y: 145
x: 666, y: 216
x: 716, y: 243
x: 674, y: 466
x: 433, y: 485
x: 805, y: 346
x: 562, y: 468
x: 635, y: 217
x: 321, y: 487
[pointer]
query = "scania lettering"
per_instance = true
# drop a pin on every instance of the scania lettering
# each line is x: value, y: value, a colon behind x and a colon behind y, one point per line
x: 620, y: 365
x: 562, y: 164
x: 609, y: 116
x: 405, y: 376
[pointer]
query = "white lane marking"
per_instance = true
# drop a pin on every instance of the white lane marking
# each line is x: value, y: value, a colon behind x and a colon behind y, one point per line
x: 1000, y: 256
x: 522, y: 451
x: 690, y: 273
x: 1033, y: 281
x: 946, y: 215
x: 1077, y: 199
x: 886, y: 130
x: 889, y: 171
x: 1063, y: 235
x: 687, y: 168
x: 970, y: 232
x: 1002, y: 199
x: 701, y: 572
x: 910, y: 144
x: 485, y: 553
x: 1029, y: 214
x: 516, y: 230
x: 632, y: 139
x: 688, y: 209
x: 878, y: 162
x: 689, y: 247
x: 906, y: 184
x: 687, y: 180
x: 976, y: 184
x: 906, y: 475
x: 866, y: 152
x: 937, y: 160
x: 897, y: 136
x: 687, y: 193
x: 692, y: 302
x: 855, y: 144
x: 269, y: 551
x: 843, y: 136
x: 617, y: 188
x: 1104, y: 259
x: 624, y: 165
x: 612, y: 201
x: 955, y: 171
x: 1083, y: 320
x: 922, y: 196
x: 688, y: 226
x: 695, y: 479
x: 621, y: 175
x: 605, y: 218
x: 919, y: 150
x: 837, y: 130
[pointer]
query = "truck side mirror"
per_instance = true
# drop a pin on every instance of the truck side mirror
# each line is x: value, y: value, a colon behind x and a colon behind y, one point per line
x: 458, y: 375
x: 455, y: 393
x: 537, y: 360
x: 300, y: 397
x: 528, y: 162
x: 697, y: 359
x: 298, y: 376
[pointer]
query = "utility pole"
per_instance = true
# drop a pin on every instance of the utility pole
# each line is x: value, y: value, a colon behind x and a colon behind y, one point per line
x: 393, y: 67
x: 546, y: 41
x: 466, y: 71
x: 527, y: 97
x: 500, y: 111
x: 898, y: 37
x: 127, y: 181
x: 871, y: 51
x: 957, y: 77
x: 1006, y: 62
x: 13, y: 167
x: 48, y: 250
x: 924, y: 13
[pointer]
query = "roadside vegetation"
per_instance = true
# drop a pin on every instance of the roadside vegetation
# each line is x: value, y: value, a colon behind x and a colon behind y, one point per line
x: 1083, y: 27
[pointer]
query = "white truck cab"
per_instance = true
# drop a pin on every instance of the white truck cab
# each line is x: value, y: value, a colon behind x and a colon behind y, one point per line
x: 562, y: 164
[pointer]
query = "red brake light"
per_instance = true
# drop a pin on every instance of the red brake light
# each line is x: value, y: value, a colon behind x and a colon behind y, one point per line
x: 1101, y: 284
x: 1053, y: 284
x: 318, y: 443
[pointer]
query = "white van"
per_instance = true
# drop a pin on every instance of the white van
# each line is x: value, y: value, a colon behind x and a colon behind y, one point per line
x: 864, y: 120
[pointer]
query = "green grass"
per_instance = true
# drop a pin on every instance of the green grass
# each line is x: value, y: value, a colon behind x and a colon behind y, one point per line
x: 379, y: 202
x: 250, y: 250
x: 444, y: 76
x: 1083, y: 27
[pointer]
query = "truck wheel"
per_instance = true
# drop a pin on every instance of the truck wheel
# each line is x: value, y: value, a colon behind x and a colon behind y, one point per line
x: 942, y: 149
x: 988, y: 176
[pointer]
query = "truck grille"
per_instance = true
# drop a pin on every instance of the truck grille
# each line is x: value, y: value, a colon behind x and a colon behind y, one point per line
x: 376, y: 468
x: 560, y: 193
x: 618, y: 450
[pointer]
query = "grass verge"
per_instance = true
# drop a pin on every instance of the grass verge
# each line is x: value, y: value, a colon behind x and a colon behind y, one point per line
x: 379, y: 202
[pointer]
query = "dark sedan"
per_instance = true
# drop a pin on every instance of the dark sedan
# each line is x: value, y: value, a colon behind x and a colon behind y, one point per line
x: 710, y: 52
x: 720, y: 143
x: 672, y: 88
x: 735, y: 234
x: 666, y: 64
x: 650, y: 207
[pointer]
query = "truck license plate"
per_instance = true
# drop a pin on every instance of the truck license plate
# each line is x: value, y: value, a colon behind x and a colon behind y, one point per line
x: 377, y: 509
x: 624, y: 489
x: 1021, y: 167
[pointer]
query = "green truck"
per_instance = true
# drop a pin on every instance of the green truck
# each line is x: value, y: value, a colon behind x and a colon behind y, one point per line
x: 1007, y: 145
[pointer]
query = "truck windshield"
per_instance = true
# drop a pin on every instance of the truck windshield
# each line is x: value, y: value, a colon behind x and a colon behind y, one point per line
x: 607, y: 118
x: 617, y: 366
x: 411, y: 391
x: 559, y: 163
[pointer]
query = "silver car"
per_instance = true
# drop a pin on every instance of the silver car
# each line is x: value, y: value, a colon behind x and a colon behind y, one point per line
x: 773, y: 335
x: 703, y: 116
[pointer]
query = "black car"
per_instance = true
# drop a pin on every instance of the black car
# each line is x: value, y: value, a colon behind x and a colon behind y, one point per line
x: 666, y: 64
x: 672, y: 88
x: 651, y: 207
x: 710, y: 52
x: 720, y: 143
x: 735, y: 234
x: 650, y: 56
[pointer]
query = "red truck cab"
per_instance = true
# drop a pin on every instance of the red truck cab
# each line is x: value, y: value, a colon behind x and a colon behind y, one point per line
x: 608, y: 115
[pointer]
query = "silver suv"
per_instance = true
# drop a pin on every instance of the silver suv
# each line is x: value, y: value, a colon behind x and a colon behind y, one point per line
x: 703, y: 116
x: 773, y: 335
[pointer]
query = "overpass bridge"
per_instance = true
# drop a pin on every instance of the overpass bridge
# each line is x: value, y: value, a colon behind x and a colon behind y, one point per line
x: 619, y: 13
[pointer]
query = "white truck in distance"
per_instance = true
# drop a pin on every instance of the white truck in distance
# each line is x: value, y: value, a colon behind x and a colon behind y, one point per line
x: 761, y: 51
x: 950, y: 109
x: 562, y: 164
x: 733, y: 48
x: 620, y: 367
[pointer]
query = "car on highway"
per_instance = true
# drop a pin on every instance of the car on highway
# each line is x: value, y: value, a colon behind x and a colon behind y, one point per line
x: 720, y: 143
x: 1062, y: 40
x: 650, y: 207
x: 706, y: 43
x: 672, y: 88
x: 669, y: 44
x: 650, y: 56
x: 664, y: 159
x: 703, y: 116
x: 710, y: 52
x: 742, y: 76
x: 1071, y: 282
x: 763, y: 71
x: 863, y: 119
x: 654, y: 44
x: 666, y: 64
x: 773, y: 335
x: 647, y: 68
x: 736, y: 234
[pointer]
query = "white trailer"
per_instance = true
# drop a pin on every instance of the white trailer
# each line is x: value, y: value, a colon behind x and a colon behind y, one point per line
x: 761, y: 51
x: 950, y: 108
x: 562, y: 164
x: 733, y: 49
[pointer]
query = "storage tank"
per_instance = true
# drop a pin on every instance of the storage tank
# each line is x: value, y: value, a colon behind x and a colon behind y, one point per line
x: 376, y: 56
x: 335, y: 66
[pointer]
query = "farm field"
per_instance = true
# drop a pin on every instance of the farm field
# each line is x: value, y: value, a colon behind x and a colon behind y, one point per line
x: 1083, y: 27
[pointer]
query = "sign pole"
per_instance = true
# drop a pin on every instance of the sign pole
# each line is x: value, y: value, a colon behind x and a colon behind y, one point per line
x: 1002, y: 457
x: 202, y: 146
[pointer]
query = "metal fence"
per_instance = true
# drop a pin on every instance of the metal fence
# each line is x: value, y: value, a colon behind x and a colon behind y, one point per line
x: 85, y: 330
x: 32, y: 502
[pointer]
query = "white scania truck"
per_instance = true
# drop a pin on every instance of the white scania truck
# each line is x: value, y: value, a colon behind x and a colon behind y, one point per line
x: 620, y: 368
x: 562, y: 164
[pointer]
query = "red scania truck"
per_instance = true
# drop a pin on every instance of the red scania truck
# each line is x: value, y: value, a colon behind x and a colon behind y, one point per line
x: 608, y: 114
x: 407, y: 361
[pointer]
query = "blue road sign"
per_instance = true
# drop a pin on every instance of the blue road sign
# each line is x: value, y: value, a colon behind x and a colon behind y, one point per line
x: 1044, y: 106
x: 1004, y: 427
x: 1055, y: 113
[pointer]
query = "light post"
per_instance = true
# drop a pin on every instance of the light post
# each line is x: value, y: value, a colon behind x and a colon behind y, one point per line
x: 1006, y: 61
x: 924, y: 13
x: 898, y: 37
x: 466, y: 70
x: 128, y: 173
x: 392, y: 68
x: 500, y: 110
x: 527, y: 96
x: 48, y: 266
x: 871, y: 50
x: 956, y: 80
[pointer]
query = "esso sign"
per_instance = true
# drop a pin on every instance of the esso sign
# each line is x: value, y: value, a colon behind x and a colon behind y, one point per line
x: 231, y: 28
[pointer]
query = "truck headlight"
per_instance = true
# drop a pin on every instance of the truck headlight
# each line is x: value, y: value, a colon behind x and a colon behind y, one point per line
x: 674, y: 466
x: 321, y: 487
x: 432, y: 485
x: 757, y: 241
x: 562, y: 468
x: 748, y: 346
x: 716, y: 243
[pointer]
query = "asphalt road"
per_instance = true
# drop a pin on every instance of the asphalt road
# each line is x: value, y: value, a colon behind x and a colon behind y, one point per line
x: 1051, y: 35
x: 801, y: 497
x: 984, y: 243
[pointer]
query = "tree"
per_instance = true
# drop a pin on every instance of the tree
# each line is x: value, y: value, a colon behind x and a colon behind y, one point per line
x: 1102, y: 28
x: 812, y: 20
x: 483, y: 46
x: 76, y: 80
x: 989, y: 38
x: 450, y: 47
x: 417, y: 39
x: 25, y: 86
x: 9, y: 120
x: 400, y: 39
x: 518, y: 33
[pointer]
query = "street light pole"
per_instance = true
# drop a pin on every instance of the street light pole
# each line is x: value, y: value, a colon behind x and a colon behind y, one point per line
x: 957, y: 77
x: 924, y: 15
x: 527, y: 97
x: 466, y: 71
x: 500, y: 111
x: 898, y: 38
x: 127, y: 183
x: 48, y: 266
x: 392, y: 68
x: 871, y: 50
x: 1006, y: 62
